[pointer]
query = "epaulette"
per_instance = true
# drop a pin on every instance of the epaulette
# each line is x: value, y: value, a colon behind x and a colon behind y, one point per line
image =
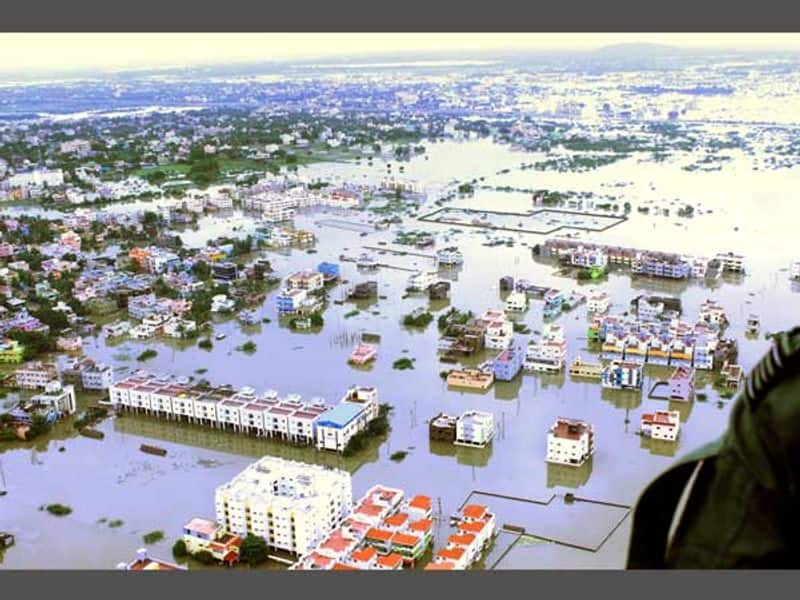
x: 779, y: 363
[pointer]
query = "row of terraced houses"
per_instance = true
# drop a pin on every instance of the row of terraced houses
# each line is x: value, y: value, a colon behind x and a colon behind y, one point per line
x: 244, y: 411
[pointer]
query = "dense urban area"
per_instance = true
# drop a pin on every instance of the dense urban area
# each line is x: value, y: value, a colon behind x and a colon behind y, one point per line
x: 398, y: 316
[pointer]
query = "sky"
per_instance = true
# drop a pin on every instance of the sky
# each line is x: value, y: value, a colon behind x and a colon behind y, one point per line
x: 52, y: 52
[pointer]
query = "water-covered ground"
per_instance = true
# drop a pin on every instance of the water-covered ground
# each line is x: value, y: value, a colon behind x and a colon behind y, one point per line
x: 738, y: 209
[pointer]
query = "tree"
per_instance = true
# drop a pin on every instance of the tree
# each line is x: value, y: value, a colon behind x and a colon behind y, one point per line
x: 179, y: 549
x: 254, y: 550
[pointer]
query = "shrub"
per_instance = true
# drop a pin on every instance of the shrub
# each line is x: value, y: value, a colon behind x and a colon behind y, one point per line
x: 179, y: 549
x: 205, y: 344
x: 204, y: 557
x: 254, y: 550
x: 248, y: 347
x: 398, y: 456
x: 59, y: 510
x: 402, y: 364
x: 147, y: 355
x: 153, y: 537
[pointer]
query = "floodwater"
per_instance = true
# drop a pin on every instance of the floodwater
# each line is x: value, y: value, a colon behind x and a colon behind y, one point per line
x: 112, y: 479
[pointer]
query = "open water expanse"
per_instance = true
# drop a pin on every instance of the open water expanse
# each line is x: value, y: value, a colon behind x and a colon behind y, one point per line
x: 736, y: 209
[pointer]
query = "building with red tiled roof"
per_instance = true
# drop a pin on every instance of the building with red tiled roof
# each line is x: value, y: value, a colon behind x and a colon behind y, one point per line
x: 389, y: 562
x: 474, y: 511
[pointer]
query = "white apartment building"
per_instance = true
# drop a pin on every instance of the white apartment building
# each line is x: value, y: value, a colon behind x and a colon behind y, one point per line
x: 336, y: 426
x: 449, y: 257
x: 305, y: 280
x: 570, y: 442
x: 35, y: 375
x: 549, y: 353
x: 598, y: 302
x: 474, y: 428
x: 421, y: 280
x: 97, y: 377
x: 516, y: 302
x: 265, y: 415
x: 499, y: 330
x: 661, y: 425
x: 38, y: 178
x: 61, y: 398
x: 732, y: 263
x: 292, y: 505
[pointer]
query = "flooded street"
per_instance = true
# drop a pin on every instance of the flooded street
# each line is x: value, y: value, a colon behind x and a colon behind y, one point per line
x: 104, y: 480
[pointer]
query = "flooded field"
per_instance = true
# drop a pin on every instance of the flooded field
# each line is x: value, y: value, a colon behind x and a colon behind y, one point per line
x: 737, y: 209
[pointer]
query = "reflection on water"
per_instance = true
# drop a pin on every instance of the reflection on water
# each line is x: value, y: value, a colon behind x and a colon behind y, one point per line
x: 566, y: 476
x: 622, y: 399
x: 229, y: 442
x: 659, y: 447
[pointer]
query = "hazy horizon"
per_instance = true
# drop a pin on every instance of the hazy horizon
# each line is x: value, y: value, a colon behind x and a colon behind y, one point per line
x: 39, y: 53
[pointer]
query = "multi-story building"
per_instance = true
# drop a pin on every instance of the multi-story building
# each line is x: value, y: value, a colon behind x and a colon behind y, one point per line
x: 498, y: 332
x: 553, y: 302
x: 622, y: 375
x: 474, y: 428
x: 589, y: 258
x: 661, y: 425
x: 599, y: 302
x: 206, y: 535
x: 305, y: 280
x: 472, y: 379
x: 549, y: 352
x: 292, y: 505
x: 97, y: 376
x: 420, y: 281
x: 450, y: 256
x: 508, y: 363
x: 517, y: 302
x: 731, y: 263
x: 60, y: 398
x: 224, y: 271
x: 36, y: 375
x: 337, y: 426
x: 570, y: 442
x: 681, y: 384
x: 443, y: 428
x: 649, y: 310
x: 579, y: 368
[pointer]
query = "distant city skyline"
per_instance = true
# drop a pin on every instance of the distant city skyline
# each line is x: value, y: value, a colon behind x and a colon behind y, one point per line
x: 54, y: 52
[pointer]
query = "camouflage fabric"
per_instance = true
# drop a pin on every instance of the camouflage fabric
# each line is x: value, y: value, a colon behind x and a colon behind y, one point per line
x: 739, y: 493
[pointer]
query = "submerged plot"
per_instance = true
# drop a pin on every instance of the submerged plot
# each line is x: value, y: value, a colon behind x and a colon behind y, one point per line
x: 544, y: 221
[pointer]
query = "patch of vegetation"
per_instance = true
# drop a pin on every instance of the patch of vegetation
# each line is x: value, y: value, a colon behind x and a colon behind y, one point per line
x: 398, y: 456
x: 377, y: 427
x: 147, y: 355
x: 59, y: 510
x: 249, y: 347
x: 179, y: 549
x: 116, y: 523
x: 352, y: 313
x: 153, y: 537
x: 521, y: 328
x: 204, y: 557
x: 266, y: 320
x: 201, y: 371
x: 420, y: 319
x: 205, y: 344
x: 254, y: 550
x: 92, y: 415
x: 401, y: 364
